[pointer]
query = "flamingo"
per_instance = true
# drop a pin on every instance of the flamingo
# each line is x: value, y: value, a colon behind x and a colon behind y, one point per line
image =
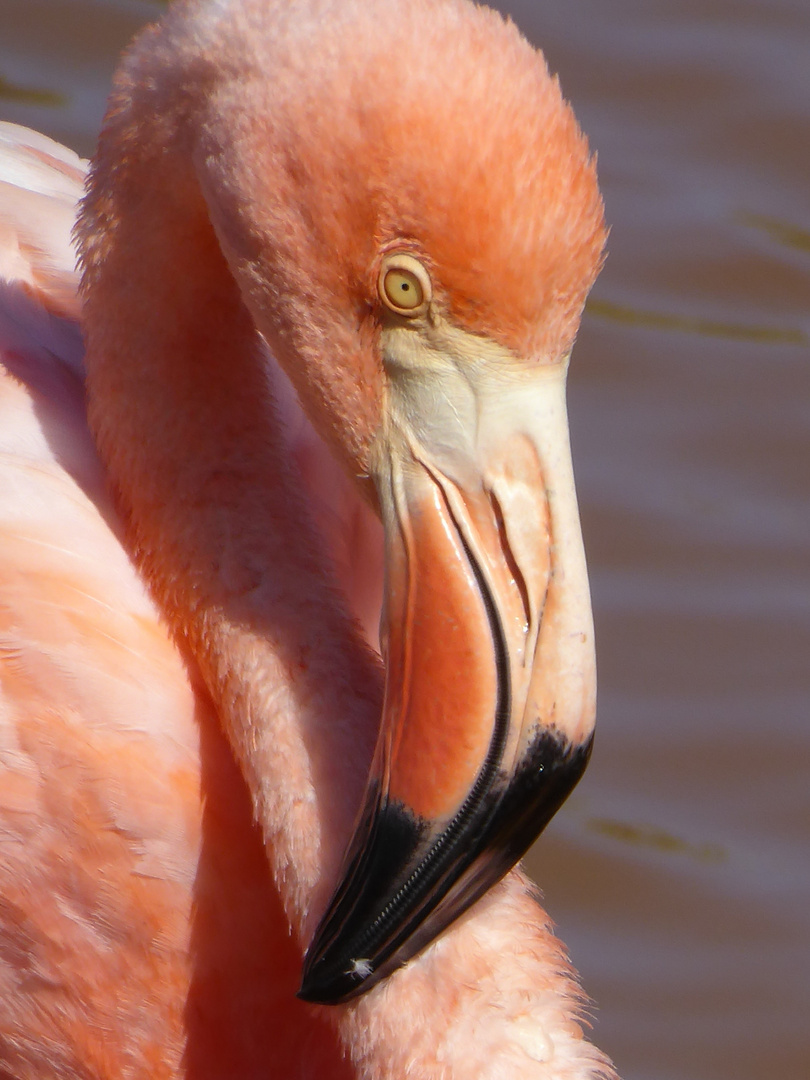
x: 334, y: 257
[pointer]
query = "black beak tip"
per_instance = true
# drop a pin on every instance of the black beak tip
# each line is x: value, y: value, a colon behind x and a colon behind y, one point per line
x: 323, y: 984
x: 375, y: 924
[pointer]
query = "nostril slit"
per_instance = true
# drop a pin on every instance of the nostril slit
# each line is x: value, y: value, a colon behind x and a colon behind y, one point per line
x: 511, y: 561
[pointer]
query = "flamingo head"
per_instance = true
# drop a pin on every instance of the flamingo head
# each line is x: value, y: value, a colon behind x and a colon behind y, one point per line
x: 413, y: 218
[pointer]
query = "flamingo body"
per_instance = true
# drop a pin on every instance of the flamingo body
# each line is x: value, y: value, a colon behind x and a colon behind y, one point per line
x: 129, y: 860
x: 149, y: 926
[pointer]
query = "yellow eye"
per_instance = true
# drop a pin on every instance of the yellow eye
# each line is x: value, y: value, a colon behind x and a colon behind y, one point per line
x: 403, y: 289
x: 404, y: 285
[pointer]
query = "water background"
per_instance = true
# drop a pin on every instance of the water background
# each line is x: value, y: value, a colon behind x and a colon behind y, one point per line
x: 679, y: 872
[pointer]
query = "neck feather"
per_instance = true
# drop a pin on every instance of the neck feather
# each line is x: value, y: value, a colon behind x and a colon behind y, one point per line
x: 181, y: 410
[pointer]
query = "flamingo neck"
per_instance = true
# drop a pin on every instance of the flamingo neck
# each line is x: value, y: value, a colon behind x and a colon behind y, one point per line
x: 183, y: 417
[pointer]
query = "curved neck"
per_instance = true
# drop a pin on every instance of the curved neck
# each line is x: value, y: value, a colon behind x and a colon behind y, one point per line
x: 183, y: 417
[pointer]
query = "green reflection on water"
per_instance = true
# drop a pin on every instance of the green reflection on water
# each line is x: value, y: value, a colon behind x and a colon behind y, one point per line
x: 772, y: 335
x: 653, y: 837
x: 30, y: 95
x: 780, y: 231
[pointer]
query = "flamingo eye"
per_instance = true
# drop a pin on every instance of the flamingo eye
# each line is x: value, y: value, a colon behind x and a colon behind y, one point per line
x: 402, y: 289
x: 404, y: 285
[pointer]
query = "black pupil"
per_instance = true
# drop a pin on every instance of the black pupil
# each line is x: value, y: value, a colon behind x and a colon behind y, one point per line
x: 405, y: 286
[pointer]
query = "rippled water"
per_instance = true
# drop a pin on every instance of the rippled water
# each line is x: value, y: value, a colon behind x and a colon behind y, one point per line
x: 679, y: 873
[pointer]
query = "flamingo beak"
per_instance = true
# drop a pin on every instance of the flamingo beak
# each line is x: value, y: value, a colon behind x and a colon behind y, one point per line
x: 488, y: 640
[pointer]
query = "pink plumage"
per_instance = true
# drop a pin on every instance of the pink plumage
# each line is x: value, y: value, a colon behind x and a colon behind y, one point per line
x: 190, y: 683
